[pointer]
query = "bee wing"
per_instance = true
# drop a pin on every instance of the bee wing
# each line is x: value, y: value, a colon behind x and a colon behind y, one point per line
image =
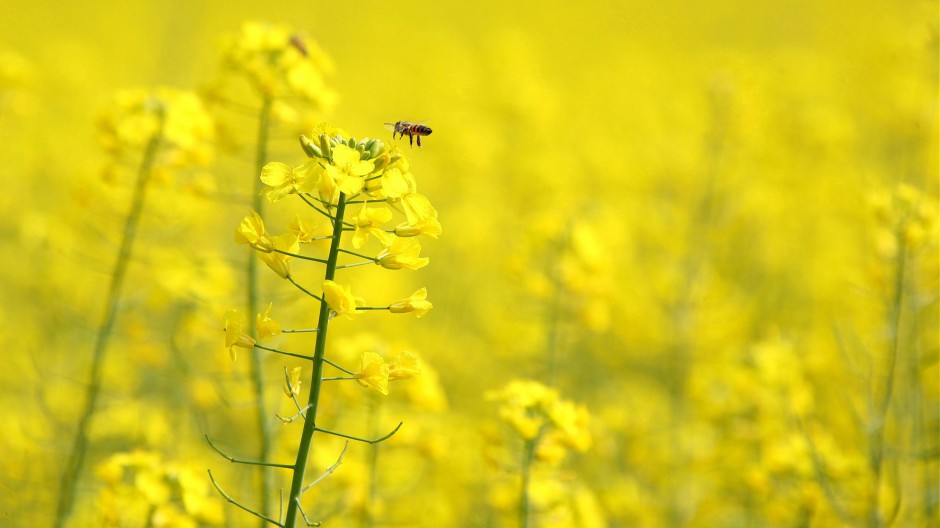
x: 390, y: 126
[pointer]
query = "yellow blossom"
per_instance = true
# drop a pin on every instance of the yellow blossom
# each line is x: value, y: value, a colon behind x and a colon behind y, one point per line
x: 417, y: 303
x: 347, y: 169
x: 402, y: 253
x: 341, y: 299
x: 367, y: 223
x: 374, y: 372
x: 302, y: 228
x: 404, y: 366
x: 292, y: 384
x: 281, y: 179
x: 421, y: 215
x: 267, y: 327
x: 278, y: 262
x: 234, y: 337
x: 395, y: 183
x: 251, y: 231
x: 571, y: 422
x: 280, y: 62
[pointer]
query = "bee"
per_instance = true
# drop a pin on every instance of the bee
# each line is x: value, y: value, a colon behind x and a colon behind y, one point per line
x: 412, y: 130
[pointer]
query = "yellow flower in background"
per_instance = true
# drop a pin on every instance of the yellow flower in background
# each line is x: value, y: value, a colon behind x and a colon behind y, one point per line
x: 532, y: 408
x: 417, y: 303
x: 340, y: 299
x: 347, y: 169
x: 374, y: 372
x: 571, y: 422
x: 267, y: 327
x: 251, y: 231
x: 171, y: 493
x: 232, y: 323
x: 280, y: 63
x: 404, y: 366
x: 402, y: 254
x: 178, y: 118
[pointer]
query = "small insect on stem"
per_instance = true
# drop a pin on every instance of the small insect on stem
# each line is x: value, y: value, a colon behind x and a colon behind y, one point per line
x: 412, y: 130
x: 298, y: 43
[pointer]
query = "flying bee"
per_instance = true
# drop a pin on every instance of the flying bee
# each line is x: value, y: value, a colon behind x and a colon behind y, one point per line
x: 412, y: 130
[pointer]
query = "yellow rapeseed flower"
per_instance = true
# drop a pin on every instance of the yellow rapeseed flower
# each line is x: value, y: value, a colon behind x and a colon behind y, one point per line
x: 402, y: 254
x: 304, y: 230
x: 404, y: 366
x: 282, y: 179
x: 232, y: 323
x: 292, y: 383
x: 374, y: 372
x: 279, y: 262
x: 267, y: 327
x: 347, y: 169
x: 341, y: 299
x: 417, y: 303
x: 367, y: 223
x: 251, y: 231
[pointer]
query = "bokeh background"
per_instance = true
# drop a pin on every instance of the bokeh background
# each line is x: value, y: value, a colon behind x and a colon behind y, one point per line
x: 711, y: 224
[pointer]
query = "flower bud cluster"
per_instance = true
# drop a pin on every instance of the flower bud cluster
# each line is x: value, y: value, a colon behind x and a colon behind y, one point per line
x: 176, y: 118
x: 280, y: 63
x: 538, y: 414
x: 905, y: 218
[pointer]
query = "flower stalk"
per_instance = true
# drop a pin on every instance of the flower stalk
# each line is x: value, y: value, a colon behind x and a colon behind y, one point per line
x: 76, y: 458
x: 257, y: 370
x: 335, y: 171
x: 313, y: 400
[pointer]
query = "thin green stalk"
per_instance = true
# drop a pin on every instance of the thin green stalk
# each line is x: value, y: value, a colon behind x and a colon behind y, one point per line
x: 76, y: 459
x: 257, y: 370
x: 876, y: 444
x: 306, y: 437
x: 528, y: 452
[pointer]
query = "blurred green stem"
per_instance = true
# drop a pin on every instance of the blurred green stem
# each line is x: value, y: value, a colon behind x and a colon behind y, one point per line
x: 316, y: 381
x: 76, y: 458
x: 257, y: 365
x: 876, y: 443
x: 525, y: 470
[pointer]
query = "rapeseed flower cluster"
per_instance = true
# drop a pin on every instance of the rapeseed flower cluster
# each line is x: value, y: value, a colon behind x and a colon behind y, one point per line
x: 341, y: 172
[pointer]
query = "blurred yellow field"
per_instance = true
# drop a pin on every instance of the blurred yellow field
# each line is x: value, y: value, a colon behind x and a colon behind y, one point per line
x: 615, y: 264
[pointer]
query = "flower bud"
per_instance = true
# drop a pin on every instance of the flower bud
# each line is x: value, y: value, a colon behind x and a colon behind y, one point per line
x: 325, y: 146
x: 310, y: 149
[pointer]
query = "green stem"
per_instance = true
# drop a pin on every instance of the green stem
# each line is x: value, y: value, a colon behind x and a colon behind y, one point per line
x: 257, y: 365
x: 76, y: 459
x: 306, y: 437
x: 876, y: 445
x: 528, y: 452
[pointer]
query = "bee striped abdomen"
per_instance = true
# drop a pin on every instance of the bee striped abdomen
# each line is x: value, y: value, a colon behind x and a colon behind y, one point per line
x: 412, y: 130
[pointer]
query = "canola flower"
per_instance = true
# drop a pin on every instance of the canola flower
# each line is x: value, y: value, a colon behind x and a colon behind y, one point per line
x: 549, y: 427
x: 169, y: 130
x: 339, y: 174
